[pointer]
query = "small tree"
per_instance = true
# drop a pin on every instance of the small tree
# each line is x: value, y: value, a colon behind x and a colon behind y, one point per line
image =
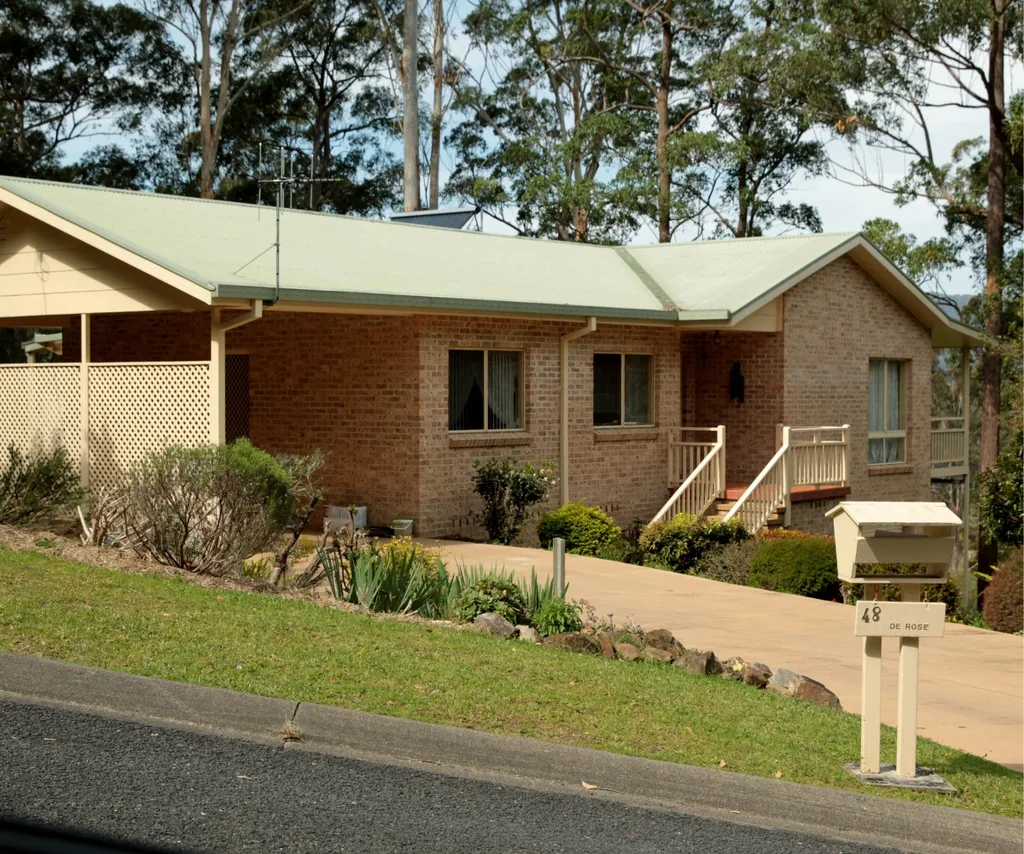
x: 1002, y: 496
x: 509, y: 489
x: 307, y: 494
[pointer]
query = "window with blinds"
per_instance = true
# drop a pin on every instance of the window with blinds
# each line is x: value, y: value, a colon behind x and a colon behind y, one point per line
x: 485, y: 390
x: 623, y: 390
x: 887, y: 412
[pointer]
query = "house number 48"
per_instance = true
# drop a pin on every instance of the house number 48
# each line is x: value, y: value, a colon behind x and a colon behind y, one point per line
x: 872, y: 615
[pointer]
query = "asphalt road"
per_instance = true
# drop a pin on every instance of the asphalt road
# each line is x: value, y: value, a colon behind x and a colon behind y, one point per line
x: 188, y: 791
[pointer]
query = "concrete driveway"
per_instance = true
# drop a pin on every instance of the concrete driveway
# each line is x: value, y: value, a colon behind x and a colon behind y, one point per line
x: 972, y: 680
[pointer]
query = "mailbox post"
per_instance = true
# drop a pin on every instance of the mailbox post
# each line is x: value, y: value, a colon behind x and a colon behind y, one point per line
x: 872, y: 536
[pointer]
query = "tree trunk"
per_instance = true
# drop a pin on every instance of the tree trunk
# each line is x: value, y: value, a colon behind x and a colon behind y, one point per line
x: 991, y: 366
x: 435, y: 118
x: 742, y: 200
x: 664, y: 172
x: 207, y: 149
x: 410, y: 109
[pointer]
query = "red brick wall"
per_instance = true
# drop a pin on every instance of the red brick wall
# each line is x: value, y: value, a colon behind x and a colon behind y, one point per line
x: 835, y: 321
x: 346, y: 384
x: 621, y: 469
x: 750, y: 425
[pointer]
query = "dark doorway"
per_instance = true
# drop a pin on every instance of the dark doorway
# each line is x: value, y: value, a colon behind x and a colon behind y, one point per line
x: 236, y: 396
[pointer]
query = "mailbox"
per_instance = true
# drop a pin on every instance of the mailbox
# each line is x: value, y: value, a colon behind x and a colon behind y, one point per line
x: 869, y: 533
x: 888, y: 532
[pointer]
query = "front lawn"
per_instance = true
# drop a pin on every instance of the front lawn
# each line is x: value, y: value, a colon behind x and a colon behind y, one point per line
x: 168, y: 628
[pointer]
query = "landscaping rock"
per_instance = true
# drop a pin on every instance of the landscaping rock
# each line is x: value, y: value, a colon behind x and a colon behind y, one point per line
x: 627, y: 652
x: 816, y: 693
x: 574, y: 642
x: 784, y: 681
x: 607, y: 645
x: 701, y: 663
x: 732, y: 668
x: 753, y: 674
x: 495, y: 624
x: 652, y: 653
x: 792, y: 684
x: 662, y: 639
x: 528, y: 633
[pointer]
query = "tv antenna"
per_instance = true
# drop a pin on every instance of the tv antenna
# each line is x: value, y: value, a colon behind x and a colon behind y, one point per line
x: 279, y: 182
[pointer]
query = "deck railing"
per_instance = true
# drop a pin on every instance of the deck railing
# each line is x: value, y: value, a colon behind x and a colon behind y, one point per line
x: 687, y: 448
x: 820, y: 455
x: 949, y: 443
x: 768, y: 492
x: 704, y: 480
x: 807, y: 456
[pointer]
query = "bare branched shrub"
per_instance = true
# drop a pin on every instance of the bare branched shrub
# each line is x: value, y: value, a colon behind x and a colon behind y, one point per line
x: 37, y: 488
x: 206, y: 509
x: 306, y: 492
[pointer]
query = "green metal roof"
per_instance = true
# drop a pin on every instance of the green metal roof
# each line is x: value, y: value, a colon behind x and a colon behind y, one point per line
x: 228, y: 248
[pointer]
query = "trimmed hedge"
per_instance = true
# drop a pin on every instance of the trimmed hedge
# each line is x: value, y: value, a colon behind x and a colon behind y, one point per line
x: 682, y: 542
x: 1003, y: 600
x: 586, y: 530
x: 804, y: 566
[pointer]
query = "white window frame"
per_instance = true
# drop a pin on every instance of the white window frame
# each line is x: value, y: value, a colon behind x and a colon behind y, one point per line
x: 891, y: 434
x: 487, y: 388
x: 622, y: 393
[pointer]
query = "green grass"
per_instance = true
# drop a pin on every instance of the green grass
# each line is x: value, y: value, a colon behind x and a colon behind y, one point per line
x: 165, y: 627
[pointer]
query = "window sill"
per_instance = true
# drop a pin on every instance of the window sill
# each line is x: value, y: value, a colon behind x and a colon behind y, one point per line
x: 488, y: 439
x: 889, y: 468
x: 626, y: 434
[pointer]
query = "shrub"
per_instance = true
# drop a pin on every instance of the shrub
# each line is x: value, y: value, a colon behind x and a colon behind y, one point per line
x: 1002, y: 495
x: 398, y: 582
x: 557, y: 616
x: 206, y: 509
x: 804, y: 566
x: 1003, y: 599
x: 768, y: 534
x: 509, y: 490
x: 680, y: 544
x: 731, y: 564
x: 586, y: 530
x: 37, y: 488
x: 498, y: 595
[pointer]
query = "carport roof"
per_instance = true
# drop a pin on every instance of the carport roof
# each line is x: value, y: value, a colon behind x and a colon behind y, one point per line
x: 227, y: 249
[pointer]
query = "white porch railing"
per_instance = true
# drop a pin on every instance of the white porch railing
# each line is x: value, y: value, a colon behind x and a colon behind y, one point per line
x: 687, y: 448
x: 820, y: 455
x: 704, y: 480
x: 807, y: 456
x: 949, y: 445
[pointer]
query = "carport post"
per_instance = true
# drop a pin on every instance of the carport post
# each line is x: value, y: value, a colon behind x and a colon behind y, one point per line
x: 83, y: 398
x: 216, y: 378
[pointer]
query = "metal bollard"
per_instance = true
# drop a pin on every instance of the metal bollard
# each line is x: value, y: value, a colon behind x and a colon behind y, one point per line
x: 558, y: 549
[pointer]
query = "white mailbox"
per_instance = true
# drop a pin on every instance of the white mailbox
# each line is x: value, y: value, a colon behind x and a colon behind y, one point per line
x: 887, y: 532
x: 869, y: 533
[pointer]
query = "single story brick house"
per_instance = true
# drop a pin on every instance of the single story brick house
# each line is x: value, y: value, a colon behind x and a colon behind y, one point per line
x: 756, y: 378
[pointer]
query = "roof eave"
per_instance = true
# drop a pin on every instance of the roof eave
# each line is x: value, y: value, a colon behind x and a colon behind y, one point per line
x: 452, y: 304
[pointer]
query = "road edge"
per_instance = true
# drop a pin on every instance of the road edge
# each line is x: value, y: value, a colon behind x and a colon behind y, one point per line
x: 510, y: 760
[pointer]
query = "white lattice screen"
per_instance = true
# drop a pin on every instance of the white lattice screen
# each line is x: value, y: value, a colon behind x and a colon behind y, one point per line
x: 40, y: 408
x: 138, y: 408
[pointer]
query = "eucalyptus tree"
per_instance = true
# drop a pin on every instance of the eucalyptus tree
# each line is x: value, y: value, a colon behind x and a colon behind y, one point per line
x: 920, y: 56
x: 537, y: 147
x: 773, y: 91
x: 70, y: 70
